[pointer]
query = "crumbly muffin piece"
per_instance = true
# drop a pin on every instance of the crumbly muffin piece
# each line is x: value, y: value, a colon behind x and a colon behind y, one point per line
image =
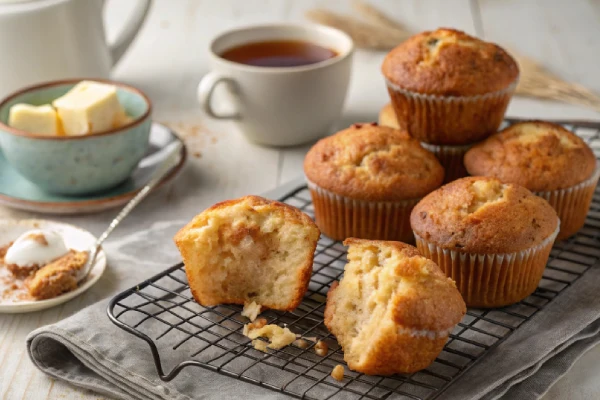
x: 449, y: 62
x: 538, y: 155
x: 483, y: 215
x: 57, y: 277
x: 249, y: 249
x: 387, y: 117
x: 393, y: 310
x: 371, y: 162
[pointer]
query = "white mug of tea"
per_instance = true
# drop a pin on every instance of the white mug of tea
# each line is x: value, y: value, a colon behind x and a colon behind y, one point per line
x: 46, y: 40
x: 287, y: 82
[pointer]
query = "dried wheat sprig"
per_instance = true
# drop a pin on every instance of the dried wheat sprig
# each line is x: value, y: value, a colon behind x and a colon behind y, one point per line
x: 364, y: 34
x: 378, y: 17
x: 381, y: 32
x: 537, y: 81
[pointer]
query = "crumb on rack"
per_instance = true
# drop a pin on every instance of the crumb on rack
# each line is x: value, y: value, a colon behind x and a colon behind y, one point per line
x: 301, y: 343
x: 321, y: 348
x: 278, y: 337
x: 338, y: 373
x: 259, y: 345
x: 259, y: 323
x: 251, y: 310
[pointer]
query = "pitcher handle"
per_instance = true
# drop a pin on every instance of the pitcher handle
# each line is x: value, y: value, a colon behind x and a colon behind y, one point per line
x: 131, y: 29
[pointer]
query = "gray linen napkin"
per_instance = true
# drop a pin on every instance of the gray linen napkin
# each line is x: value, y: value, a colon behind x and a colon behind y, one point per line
x: 88, y: 351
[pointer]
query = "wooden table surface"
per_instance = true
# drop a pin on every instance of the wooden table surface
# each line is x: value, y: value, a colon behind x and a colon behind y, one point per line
x: 169, y: 58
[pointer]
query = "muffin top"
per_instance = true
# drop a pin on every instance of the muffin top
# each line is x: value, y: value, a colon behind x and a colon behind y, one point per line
x: 387, y: 117
x: 372, y: 162
x: 538, y: 155
x: 450, y: 63
x: 483, y: 215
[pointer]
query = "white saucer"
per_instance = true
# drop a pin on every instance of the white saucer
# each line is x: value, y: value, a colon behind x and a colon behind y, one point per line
x: 75, y: 238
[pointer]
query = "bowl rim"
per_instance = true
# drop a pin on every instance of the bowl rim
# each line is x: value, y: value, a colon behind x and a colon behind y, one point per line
x: 43, y: 85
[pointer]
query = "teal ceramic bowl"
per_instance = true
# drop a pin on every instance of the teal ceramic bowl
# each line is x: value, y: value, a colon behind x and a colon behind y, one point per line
x: 75, y: 165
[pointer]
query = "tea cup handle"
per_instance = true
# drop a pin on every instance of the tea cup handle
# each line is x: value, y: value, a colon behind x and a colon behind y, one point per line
x: 206, y: 88
x: 133, y: 26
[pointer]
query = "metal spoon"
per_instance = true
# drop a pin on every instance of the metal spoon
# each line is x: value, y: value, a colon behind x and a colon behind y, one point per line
x: 170, y: 161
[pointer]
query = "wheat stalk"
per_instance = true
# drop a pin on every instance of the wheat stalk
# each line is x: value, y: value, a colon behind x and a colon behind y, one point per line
x: 364, y: 34
x: 380, y: 32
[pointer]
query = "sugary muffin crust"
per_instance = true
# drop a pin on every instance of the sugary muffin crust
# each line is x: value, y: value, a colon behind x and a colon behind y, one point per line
x: 371, y: 162
x: 483, y: 215
x: 449, y: 62
x: 538, y: 155
x: 393, y: 309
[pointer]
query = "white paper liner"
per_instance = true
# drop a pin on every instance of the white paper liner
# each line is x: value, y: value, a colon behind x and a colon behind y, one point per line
x: 491, y: 280
x: 573, y: 203
x: 450, y: 120
x: 341, y: 217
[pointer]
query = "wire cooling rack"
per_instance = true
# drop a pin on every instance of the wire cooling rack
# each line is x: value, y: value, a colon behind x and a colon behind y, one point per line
x: 162, y: 312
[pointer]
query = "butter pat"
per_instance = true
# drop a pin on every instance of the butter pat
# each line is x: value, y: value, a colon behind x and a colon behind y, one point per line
x: 41, y: 120
x: 89, y: 107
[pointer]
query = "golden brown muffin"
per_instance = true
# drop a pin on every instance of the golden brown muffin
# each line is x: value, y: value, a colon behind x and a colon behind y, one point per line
x: 387, y: 117
x: 448, y: 87
x: 365, y: 180
x: 57, y: 277
x: 393, y: 310
x: 492, y: 238
x: 249, y: 250
x: 547, y: 159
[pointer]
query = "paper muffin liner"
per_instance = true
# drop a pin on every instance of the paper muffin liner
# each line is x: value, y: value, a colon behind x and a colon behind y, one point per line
x: 573, y: 203
x: 449, y: 120
x: 341, y: 217
x: 451, y: 158
x: 491, y: 280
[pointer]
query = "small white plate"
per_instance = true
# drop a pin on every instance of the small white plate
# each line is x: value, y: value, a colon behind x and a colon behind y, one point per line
x: 74, y: 237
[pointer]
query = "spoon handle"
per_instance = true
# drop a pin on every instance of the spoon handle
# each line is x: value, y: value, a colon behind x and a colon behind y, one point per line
x: 170, y: 161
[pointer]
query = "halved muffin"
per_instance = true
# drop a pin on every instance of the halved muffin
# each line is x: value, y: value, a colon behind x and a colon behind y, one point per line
x: 393, y: 310
x: 249, y: 249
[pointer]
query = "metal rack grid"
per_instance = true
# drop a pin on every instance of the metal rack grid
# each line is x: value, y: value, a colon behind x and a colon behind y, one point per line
x: 211, y: 337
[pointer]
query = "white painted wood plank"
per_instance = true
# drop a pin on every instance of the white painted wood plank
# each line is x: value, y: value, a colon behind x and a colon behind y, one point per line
x: 560, y: 35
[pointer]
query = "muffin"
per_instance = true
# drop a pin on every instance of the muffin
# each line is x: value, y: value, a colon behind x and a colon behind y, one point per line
x: 449, y: 88
x: 492, y: 238
x: 393, y: 310
x: 249, y: 250
x: 365, y: 180
x: 387, y: 117
x: 548, y: 160
x: 451, y: 157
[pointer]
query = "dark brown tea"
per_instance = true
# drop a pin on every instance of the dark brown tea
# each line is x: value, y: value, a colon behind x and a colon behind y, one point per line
x: 279, y: 53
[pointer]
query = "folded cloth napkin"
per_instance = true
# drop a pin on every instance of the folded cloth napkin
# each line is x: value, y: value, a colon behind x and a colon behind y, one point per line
x: 88, y: 351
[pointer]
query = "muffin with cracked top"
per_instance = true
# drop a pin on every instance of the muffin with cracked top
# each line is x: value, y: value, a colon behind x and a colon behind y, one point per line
x: 365, y: 180
x: 449, y: 88
x: 393, y: 310
x: 492, y: 238
x: 547, y: 159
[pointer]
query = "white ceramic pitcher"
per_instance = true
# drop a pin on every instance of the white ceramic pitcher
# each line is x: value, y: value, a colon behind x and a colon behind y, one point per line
x: 42, y: 40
